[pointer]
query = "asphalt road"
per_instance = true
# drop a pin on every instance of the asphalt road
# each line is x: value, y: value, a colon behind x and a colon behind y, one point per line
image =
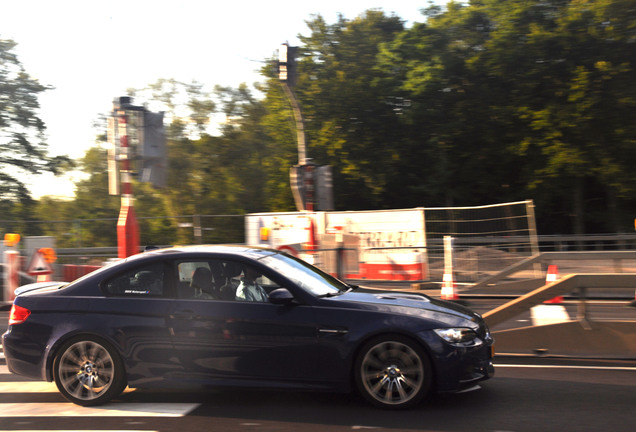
x: 537, y: 394
x: 519, y: 398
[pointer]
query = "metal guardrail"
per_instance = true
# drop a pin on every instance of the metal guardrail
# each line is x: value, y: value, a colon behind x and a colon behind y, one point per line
x: 569, y: 283
x: 583, y: 337
x: 547, y: 257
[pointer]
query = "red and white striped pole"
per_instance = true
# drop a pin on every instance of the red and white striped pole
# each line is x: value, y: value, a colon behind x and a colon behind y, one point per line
x: 127, y: 227
x: 11, y: 267
x: 448, y: 280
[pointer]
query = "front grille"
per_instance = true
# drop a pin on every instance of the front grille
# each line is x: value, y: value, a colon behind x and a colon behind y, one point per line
x: 483, y: 331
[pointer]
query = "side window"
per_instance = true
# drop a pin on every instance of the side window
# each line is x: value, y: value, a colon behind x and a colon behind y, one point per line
x: 221, y: 280
x: 186, y: 270
x: 147, y: 280
x: 195, y: 280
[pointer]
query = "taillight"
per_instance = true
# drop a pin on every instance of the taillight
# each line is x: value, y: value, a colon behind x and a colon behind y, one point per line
x: 18, y: 315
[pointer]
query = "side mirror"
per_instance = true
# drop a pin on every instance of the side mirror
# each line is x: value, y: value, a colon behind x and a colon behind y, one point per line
x: 281, y: 296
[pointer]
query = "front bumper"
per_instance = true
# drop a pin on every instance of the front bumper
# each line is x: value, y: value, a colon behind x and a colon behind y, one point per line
x: 458, y: 368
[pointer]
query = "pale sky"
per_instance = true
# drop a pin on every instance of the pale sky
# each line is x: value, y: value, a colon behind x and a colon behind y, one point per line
x: 91, y: 52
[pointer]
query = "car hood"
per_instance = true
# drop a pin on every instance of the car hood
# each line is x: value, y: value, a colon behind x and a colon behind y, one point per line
x: 407, y: 303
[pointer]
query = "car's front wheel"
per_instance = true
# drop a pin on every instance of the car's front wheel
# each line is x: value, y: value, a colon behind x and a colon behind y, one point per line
x: 393, y: 372
x: 88, y: 371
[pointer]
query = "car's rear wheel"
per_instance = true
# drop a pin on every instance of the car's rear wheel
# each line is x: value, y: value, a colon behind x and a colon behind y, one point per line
x: 393, y: 372
x: 88, y: 371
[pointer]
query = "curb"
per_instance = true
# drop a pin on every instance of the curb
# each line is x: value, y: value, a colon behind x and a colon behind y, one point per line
x: 540, y: 359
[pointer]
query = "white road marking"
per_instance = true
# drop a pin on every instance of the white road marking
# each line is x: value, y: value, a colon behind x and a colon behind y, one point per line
x: 67, y: 409
x: 615, y: 368
x: 549, y: 314
x: 28, y: 387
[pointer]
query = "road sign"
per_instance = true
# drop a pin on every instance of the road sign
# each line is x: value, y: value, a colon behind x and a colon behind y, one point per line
x: 39, y: 265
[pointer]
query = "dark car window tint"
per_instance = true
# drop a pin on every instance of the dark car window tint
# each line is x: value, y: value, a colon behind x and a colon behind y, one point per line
x: 195, y: 280
x: 141, y: 281
x: 220, y: 280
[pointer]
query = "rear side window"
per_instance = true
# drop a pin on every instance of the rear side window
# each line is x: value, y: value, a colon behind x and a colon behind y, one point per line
x: 144, y: 281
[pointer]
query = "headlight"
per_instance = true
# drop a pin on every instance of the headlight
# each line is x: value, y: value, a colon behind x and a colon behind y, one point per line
x: 459, y: 336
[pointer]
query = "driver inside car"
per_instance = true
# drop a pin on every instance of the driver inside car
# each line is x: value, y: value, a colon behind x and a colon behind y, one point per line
x: 249, y: 289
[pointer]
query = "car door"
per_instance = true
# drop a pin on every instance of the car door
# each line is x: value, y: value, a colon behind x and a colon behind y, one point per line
x: 226, y: 338
x: 135, y: 311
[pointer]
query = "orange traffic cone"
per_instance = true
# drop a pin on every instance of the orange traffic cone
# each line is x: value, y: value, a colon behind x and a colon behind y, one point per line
x: 448, y: 287
x: 553, y: 276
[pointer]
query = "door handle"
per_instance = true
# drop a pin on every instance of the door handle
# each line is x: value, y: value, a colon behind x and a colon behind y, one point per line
x: 184, y: 315
x: 333, y: 331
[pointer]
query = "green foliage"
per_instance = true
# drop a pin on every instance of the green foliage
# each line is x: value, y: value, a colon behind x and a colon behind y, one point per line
x: 23, y: 149
x: 485, y: 101
x: 351, y: 122
x: 525, y: 99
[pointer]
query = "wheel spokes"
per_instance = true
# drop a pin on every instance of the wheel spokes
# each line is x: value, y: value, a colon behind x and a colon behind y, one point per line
x: 392, y: 372
x: 86, y: 370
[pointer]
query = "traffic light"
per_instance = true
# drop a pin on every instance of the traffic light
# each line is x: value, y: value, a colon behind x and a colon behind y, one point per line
x: 146, y: 141
x: 312, y: 187
x: 152, y: 150
x: 287, y: 64
x: 323, y: 187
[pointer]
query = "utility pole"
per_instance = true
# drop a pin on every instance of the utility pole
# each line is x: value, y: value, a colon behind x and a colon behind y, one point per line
x: 127, y: 226
x: 311, y: 184
x: 136, y: 137
x: 301, y: 175
x: 286, y: 75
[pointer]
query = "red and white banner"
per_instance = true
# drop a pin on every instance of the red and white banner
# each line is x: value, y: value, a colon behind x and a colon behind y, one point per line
x: 389, y: 244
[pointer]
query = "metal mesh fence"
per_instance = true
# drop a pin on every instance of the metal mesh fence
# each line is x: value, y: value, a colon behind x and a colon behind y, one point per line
x: 91, y: 241
x: 487, y: 239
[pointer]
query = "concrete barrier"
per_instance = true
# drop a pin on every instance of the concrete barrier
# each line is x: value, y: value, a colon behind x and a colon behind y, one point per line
x: 580, y: 339
x: 583, y: 337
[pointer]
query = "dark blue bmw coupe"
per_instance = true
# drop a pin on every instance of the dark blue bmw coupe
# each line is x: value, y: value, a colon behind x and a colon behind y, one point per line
x: 240, y: 316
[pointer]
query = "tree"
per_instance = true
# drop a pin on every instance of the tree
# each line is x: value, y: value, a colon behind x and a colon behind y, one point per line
x: 446, y: 108
x: 185, y: 119
x: 351, y: 121
x: 23, y: 149
x: 569, y: 67
x: 92, y: 201
x: 207, y: 175
x: 511, y: 99
x: 486, y: 101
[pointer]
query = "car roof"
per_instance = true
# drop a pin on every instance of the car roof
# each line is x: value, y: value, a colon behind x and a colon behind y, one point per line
x: 228, y: 250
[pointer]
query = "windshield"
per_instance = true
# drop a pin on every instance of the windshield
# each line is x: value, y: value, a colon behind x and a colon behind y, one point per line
x: 304, y: 275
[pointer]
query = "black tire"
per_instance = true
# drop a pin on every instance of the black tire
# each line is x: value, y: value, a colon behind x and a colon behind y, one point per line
x: 393, y: 372
x: 88, y: 371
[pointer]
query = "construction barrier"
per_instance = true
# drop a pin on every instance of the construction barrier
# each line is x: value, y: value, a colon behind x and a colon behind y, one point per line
x: 448, y: 280
x: 11, y: 274
x: 551, y: 277
x: 72, y: 272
